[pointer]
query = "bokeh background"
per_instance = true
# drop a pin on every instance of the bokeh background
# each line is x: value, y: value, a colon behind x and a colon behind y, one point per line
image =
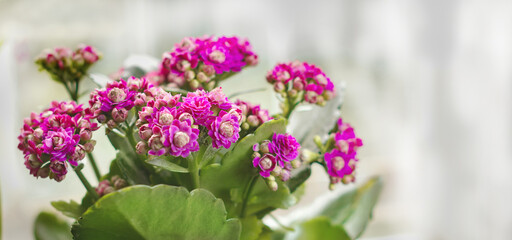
x: 427, y: 86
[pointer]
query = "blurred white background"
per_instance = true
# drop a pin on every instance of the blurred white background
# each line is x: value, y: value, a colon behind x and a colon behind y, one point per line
x: 428, y: 88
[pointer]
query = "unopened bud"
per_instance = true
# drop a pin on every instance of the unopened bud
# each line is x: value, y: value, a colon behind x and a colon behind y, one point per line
x: 141, y: 147
x: 119, y: 114
x: 296, y: 163
x: 89, y: 146
x: 278, y: 87
x: 108, y: 190
x: 201, y: 77
x: 194, y: 84
x: 189, y: 75
x: 285, y: 175
x: 264, y: 147
x: 272, y: 184
x: 253, y: 121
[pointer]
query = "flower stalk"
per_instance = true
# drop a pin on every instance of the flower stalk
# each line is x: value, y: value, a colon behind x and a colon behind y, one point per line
x: 87, y: 185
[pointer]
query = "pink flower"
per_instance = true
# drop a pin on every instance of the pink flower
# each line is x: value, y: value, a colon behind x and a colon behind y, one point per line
x: 252, y: 115
x: 266, y: 164
x: 180, y: 138
x: 339, y: 164
x: 298, y: 76
x: 285, y: 147
x: 341, y: 160
x: 59, y: 135
x: 224, y: 130
x: 198, y: 105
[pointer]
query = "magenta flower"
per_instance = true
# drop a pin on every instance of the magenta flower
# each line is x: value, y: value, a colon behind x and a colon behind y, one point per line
x: 224, y: 130
x: 341, y: 160
x: 294, y: 77
x: 180, y: 138
x: 285, y: 147
x: 198, y: 105
x: 59, y: 135
x: 194, y: 62
x: 267, y: 163
x: 339, y: 164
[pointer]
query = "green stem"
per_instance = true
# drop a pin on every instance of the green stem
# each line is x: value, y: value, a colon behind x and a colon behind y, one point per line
x: 290, y: 106
x: 94, y: 166
x: 87, y: 185
x: 194, y: 171
x: 247, y: 194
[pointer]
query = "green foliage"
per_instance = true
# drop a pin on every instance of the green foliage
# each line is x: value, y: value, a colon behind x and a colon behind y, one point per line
x: 321, y: 228
x: 167, y: 164
x: 132, y: 169
x: 49, y: 227
x: 345, y: 217
x: 354, y: 209
x: 71, y: 209
x: 159, y: 212
x: 252, y: 228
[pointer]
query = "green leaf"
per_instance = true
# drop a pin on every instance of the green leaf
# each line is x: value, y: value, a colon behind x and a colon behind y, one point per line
x: 320, y: 228
x: 354, y: 209
x: 252, y: 227
x: 236, y: 168
x: 299, y: 176
x: 262, y: 197
x: 130, y: 166
x: 159, y: 212
x: 49, y: 227
x: 71, y: 209
x: 166, y: 164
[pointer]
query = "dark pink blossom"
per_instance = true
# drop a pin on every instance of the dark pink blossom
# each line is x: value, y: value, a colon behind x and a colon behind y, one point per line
x: 224, y: 130
x: 285, y: 147
x: 180, y: 138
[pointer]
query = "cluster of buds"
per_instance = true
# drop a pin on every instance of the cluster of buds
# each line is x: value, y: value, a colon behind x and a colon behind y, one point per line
x: 107, y: 186
x: 276, y: 158
x: 341, y: 160
x: 59, y: 135
x: 65, y: 65
x: 300, y: 81
x: 199, y: 63
x: 252, y: 115
x: 111, y: 104
x: 173, y: 127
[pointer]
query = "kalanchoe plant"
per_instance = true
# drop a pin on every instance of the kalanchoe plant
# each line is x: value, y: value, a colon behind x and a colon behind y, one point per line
x: 191, y: 163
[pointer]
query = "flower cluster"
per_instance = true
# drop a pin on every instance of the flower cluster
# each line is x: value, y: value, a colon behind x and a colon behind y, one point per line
x: 111, y: 104
x: 276, y: 158
x: 65, y: 65
x: 341, y: 160
x: 252, y: 115
x: 107, y: 186
x: 198, y: 63
x: 173, y: 127
x: 59, y: 135
x: 301, y: 80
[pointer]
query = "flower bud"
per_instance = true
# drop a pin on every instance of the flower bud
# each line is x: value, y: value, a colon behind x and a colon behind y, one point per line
x: 292, y: 93
x: 108, y: 190
x: 119, y: 114
x: 285, y: 175
x: 85, y: 134
x: 101, y: 118
x: 202, y: 77
x: 118, y: 182
x: 141, y: 147
x: 245, y: 126
x: 256, y: 155
x: 194, y: 84
x: 279, y: 87
x: 183, y: 65
x: 272, y: 184
x: 297, y: 84
x: 89, y: 146
x: 251, y: 60
x: 296, y: 163
x: 189, y: 75
x: 209, y: 70
x: 253, y: 121
x: 43, y: 172
x: 264, y: 147
x: 111, y: 124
